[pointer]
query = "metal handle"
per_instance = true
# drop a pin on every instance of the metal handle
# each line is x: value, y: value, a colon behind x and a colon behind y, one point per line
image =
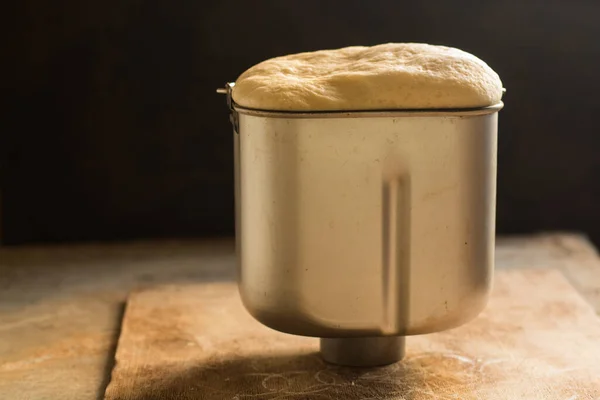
x: 233, y: 114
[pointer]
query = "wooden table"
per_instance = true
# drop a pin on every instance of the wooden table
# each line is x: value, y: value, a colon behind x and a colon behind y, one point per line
x: 61, y: 307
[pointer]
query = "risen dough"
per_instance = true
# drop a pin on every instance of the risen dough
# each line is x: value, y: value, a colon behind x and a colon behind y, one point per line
x: 387, y: 76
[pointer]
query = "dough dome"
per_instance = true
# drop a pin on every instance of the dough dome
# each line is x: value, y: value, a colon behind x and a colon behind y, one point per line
x: 387, y: 76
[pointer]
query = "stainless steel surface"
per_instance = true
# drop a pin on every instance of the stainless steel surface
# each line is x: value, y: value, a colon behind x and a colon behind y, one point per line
x: 433, y: 112
x: 363, y: 352
x: 364, y: 224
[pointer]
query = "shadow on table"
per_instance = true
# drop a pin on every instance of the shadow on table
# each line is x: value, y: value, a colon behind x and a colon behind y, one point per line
x: 300, y: 377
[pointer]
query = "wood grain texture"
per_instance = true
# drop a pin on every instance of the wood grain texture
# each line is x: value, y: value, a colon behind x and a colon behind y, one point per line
x: 61, y: 306
x: 538, y: 339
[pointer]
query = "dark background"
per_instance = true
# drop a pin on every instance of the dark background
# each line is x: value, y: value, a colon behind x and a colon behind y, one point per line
x: 114, y: 130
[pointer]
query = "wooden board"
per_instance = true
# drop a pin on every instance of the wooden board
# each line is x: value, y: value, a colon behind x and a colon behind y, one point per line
x: 538, y: 339
x: 61, y: 306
